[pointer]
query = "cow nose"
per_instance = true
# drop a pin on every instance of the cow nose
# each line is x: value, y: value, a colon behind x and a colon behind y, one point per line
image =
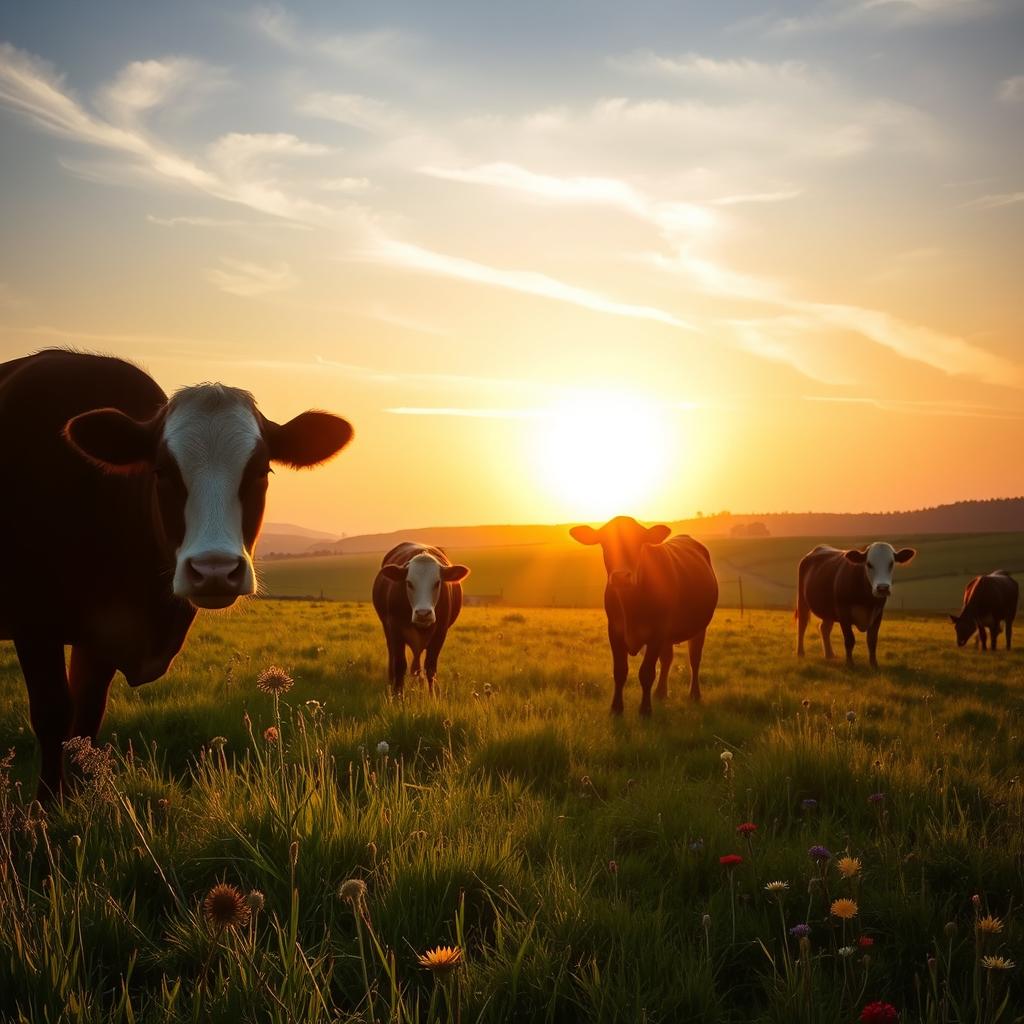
x: 423, y: 617
x: 883, y: 588
x: 216, y: 573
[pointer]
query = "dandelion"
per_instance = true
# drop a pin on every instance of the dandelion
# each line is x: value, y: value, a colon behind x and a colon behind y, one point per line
x: 848, y: 867
x: 270, y: 734
x: 256, y: 900
x: 819, y: 853
x: 879, y: 1013
x: 876, y: 798
x: 226, y: 907
x: 844, y: 909
x: 274, y: 680
x: 441, y: 961
x: 851, y: 716
x: 989, y: 925
x: 730, y: 860
x: 997, y: 963
x: 748, y: 828
x: 800, y: 931
x: 382, y: 748
x: 777, y: 888
x: 725, y: 756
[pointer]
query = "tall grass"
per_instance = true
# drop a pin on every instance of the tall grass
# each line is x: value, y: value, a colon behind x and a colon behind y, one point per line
x: 573, y: 859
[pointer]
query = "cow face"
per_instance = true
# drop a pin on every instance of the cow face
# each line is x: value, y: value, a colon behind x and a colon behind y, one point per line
x: 879, y: 561
x: 965, y: 627
x: 422, y: 577
x: 621, y: 539
x: 207, y: 455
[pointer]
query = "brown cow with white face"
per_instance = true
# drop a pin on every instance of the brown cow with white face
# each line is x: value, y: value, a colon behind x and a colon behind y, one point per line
x: 124, y: 513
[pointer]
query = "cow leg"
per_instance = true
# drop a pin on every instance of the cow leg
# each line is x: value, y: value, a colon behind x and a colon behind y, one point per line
x: 90, y: 680
x: 995, y: 633
x: 49, y: 704
x: 872, y: 638
x: 825, y: 628
x: 803, y: 616
x: 696, y: 648
x: 433, y: 653
x: 620, y: 668
x: 1009, y: 634
x: 416, y: 669
x: 848, y: 640
x: 396, y: 663
x: 647, y: 671
x: 667, y: 654
x: 983, y: 638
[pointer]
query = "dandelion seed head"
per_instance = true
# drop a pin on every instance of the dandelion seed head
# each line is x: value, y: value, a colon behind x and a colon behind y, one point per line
x: 382, y: 748
x: 274, y: 680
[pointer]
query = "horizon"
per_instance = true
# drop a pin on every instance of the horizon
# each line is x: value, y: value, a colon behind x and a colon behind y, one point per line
x: 551, y: 267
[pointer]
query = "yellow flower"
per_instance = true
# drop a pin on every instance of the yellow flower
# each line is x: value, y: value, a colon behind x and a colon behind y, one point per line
x: 844, y: 909
x: 997, y: 963
x: 776, y: 888
x: 226, y: 907
x: 989, y: 925
x: 848, y: 867
x: 441, y: 960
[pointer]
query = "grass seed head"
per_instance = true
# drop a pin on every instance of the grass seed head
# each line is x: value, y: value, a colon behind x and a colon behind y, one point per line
x: 226, y: 907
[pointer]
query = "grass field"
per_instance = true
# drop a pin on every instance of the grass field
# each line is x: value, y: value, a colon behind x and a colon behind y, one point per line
x: 573, y: 858
x: 568, y: 575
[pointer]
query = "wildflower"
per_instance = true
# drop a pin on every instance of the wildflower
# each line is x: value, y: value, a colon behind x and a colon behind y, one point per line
x: 851, y: 716
x: 976, y: 900
x: 806, y: 703
x: 274, y: 680
x: 726, y: 756
x: 730, y: 860
x: 809, y: 804
x: 314, y: 707
x: 748, y: 828
x: 819, y: 853
x: 997, y: 963
x: 613, y: 867
x: 989, y: 925
x: 353, y: 890
x: 218, y: 742
x: 777, y: 888
x: 382, y: 748
x: 226, y: 907
x: 879, y: 1013
x: 865, y: 942
x: 705, y: 922
x: 256, y: 900
x: 441, y: 960
x: 848, y: 867
x: 96, y: 764
x: 876, y: 798
x: 844, y: 909
x: 846, y: 951
x: 800, y: 931
x: 488, y: 689
x: 270, y: 734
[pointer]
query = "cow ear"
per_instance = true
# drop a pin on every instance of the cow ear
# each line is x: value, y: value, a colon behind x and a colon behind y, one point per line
x: 395, y: 573
x: 904, y: 555
x: 112, y: 440
x: 454, y: 573
x: 855, y: 556
x: 308, y: 439
x: 585, y: 535
x: 657, y: 534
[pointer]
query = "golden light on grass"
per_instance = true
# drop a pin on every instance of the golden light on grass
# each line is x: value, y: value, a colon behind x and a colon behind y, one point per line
x: 844, y: 909
x: 226, y: 907
x: 441, y: 961
x: 274, y: 680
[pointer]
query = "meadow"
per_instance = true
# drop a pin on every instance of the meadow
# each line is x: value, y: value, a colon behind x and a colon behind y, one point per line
x: 574, y: 859
x: 569, y: 575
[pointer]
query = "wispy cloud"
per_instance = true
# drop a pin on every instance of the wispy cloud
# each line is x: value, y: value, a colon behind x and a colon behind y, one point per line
x: 922, y: 407
x: 836, y: 14
x: 222, y: 222
x: 1011, y: 90
x: 357, y: 111
x: 732, y: 72
x: 758, y: 197
x: 992, y: 202
x: 247, y: 280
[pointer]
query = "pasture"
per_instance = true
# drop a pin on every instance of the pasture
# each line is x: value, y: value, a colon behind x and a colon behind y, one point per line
x: 569, y: 575
x: 574, y: 858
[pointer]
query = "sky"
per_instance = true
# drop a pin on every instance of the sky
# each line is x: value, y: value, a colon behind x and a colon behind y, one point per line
x: 554, y: 261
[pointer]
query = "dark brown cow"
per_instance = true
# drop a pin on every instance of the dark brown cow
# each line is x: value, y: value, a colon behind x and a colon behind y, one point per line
x: 659, y: 593
x: 417, y: 595
x: 123, y: 512
x: 848, y: 587
x: 988, y: 600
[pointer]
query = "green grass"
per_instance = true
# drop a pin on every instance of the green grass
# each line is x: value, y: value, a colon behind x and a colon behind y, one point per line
x: 573, y: 857
x: 568, y: 575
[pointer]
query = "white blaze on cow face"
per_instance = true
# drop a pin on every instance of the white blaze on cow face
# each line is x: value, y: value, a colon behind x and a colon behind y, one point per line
x: 211, y: 432
x: 879, y: 561
x: 423, y: 587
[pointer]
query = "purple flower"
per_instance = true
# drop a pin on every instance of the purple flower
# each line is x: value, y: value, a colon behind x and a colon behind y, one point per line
x: 810, y: 804
x: 876, y: 798
x: 800, y: 931
x: 819, y: 853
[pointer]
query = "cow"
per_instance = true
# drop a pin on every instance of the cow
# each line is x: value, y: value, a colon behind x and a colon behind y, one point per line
x: 659, y: 592
x: 417, y: 594
x: 988, y: 600
x: 123, y: 513
x: 849, y: 587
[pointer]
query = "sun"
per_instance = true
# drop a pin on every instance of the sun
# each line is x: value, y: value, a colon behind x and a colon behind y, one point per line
x: 602, y: 454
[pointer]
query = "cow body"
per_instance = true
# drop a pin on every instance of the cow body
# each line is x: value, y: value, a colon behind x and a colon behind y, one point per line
x: 659, y: 593
x: 849, y: 587
x: 98, y: 519
x: 417, y: 595
x: 988, y: 601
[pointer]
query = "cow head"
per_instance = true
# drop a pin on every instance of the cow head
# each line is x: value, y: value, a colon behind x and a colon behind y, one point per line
x: 423, y: 576
x: 965, y: 627
x: 621, y: 540
x: 879, y: 561
x: 207, y: 455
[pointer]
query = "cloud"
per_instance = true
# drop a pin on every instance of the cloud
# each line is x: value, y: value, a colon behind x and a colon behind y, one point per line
x: 838, y: 14
x: 357, y: 111
x: 248, y: 280
x: 992, y: 202
x: 757, y: 197
x: 1011, y: 90
x: 221, y: 222
x: 916, y: 407
x: 142, y: 86
x: 483, y: 414
x: 734, y: 72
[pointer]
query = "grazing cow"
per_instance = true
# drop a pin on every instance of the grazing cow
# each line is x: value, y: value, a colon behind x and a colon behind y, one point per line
x: 659, y: 593
x: 988, y: 600
x: 848, y: 587
x: 123, y: 513
x: 417, y: 594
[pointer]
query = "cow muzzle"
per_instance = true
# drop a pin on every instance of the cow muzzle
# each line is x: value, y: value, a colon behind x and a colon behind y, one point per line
x: 216, y: 579
x: 423, y: 617
x: 882, y: 590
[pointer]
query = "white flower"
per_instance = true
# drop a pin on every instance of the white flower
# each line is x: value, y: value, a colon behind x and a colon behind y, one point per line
x: 383, y: 748
x: 726, y: 755
x: 847, y: 950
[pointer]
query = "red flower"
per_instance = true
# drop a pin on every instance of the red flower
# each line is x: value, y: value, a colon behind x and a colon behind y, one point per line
x: 730, y: 860
x: 747, y: 828
x: 879, y: 1013
x: 865, y: 942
